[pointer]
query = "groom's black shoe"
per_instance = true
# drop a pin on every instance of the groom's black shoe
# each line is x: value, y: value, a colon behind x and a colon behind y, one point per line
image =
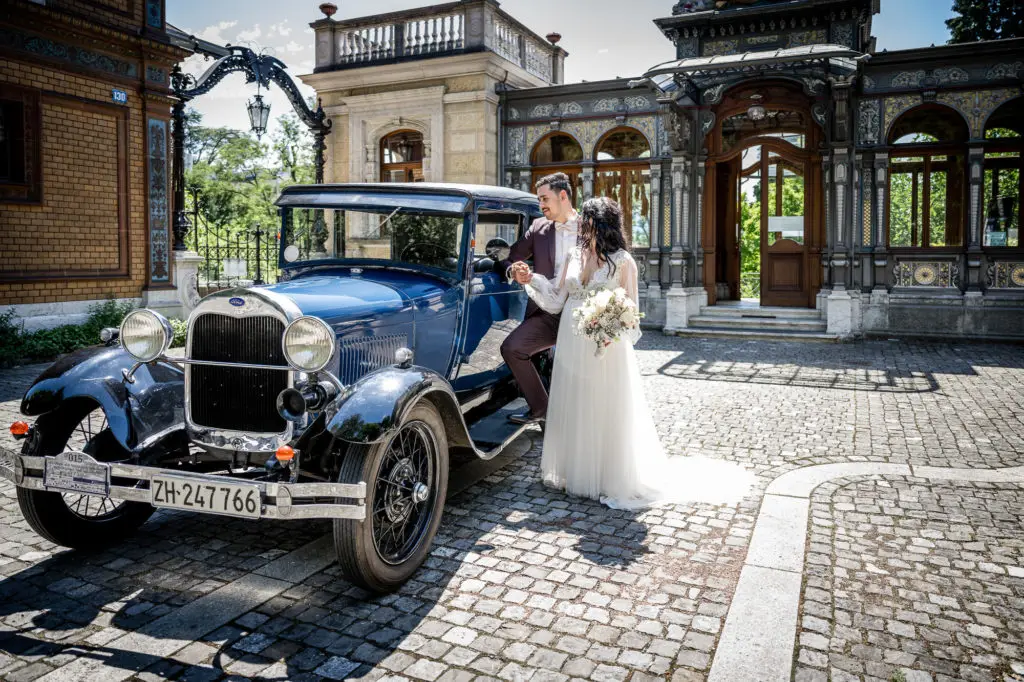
x: 524, y: 418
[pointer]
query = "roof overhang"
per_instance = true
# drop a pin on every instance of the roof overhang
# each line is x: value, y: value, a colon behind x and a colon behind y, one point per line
x: 695, y: 67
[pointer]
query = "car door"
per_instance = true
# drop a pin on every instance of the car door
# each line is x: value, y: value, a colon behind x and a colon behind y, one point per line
x: 494, y: 307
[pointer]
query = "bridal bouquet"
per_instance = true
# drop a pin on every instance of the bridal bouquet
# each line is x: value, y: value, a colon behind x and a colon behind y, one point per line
x: 604, y: 316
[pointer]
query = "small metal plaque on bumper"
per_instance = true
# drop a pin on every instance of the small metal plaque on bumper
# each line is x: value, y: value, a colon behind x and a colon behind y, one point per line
x: 76, y: 472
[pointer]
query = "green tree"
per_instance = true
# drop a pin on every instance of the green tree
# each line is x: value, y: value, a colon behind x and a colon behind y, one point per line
x: 986, y: 20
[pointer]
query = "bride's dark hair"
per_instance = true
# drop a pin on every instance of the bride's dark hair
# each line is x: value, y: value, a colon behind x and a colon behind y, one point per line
x: 601, y: 224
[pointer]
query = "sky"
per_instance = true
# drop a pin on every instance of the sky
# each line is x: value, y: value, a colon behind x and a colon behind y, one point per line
x: 605, y: 38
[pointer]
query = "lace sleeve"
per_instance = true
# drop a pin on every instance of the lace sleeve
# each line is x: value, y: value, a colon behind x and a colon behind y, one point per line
x: 628, y: 275
x: 545, y: 294
x: 628, y: 280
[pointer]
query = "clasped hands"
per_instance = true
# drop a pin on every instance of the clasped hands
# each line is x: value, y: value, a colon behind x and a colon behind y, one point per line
x: 521, y: 272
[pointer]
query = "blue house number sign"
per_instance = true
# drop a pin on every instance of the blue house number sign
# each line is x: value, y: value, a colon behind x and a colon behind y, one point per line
x: 119, y: 96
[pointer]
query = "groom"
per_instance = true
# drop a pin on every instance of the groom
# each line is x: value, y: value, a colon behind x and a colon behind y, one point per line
x: 548, y: 241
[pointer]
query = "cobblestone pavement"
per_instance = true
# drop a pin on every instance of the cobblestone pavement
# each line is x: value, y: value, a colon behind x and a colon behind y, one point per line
x: 526, y: 583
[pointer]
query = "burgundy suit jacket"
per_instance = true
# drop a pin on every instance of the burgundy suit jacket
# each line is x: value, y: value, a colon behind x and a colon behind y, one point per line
x: 539, y: 244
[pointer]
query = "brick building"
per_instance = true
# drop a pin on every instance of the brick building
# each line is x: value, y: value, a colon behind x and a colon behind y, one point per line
x: 85, y: 156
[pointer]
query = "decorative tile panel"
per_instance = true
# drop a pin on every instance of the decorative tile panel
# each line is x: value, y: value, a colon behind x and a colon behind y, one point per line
x: 719, y: 47
x: 893, y: 107
x: 977, y: 105
x: 154, y: 74
x: 155, y: 14
x: 941, y: 275
x: 516, y: 146
x: 72, y: 54
x: 843, y: 34
x: 866, y: 212
x: 159, y: 204
x: 1006, y: 275
x: 869, y: 121
x: 800, y: 38
x: 907, y: 79
x: 1005, y: 71
x: 951, y: 76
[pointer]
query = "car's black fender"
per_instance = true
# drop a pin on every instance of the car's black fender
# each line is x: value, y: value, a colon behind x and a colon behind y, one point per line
x: 371, y: 408
x: 150, y: 407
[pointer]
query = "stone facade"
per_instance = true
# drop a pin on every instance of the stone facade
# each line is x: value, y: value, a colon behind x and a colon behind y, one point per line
x: 99, y: 225
x: 416, y: 71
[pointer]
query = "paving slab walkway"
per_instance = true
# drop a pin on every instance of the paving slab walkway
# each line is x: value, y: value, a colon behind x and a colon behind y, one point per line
x: 876, y: 541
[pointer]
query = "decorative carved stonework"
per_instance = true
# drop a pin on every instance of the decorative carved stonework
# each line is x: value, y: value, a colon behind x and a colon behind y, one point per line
x: 1004, y: 71
x: 517, y: 146
x: 907, y: 79
x: 713, y: 95
x: 844, y: 34
x: 679, y: 131
x: 941, y: 275
x: 868, y: 121
x: 714, y: 48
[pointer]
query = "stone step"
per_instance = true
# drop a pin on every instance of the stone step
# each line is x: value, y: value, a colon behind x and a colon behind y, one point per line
x: 755, y: 334
x: 751, y: 312
x: 766, y: 323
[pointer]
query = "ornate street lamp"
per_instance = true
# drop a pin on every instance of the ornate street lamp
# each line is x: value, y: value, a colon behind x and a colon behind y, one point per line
x: 259, y: 114
x: 756, y: 111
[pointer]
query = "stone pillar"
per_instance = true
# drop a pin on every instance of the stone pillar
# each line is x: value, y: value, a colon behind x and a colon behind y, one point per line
x: 881, y: 249
x: 177, y: 302
x: 665, y: 225
x: 587, y: 179
x: 976, y: 219
x: 677, y: 261
x: 840, y: 259
x: 654, y: 262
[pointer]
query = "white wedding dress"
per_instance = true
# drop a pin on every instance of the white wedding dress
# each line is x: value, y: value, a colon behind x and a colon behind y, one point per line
x: 600, y: 441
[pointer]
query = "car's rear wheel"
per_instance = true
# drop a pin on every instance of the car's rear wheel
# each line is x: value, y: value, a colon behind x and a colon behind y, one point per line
x: 406, y: 479
x: 72, y: 519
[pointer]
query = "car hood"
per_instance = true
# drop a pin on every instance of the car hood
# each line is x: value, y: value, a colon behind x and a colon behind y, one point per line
x: 341, y: 295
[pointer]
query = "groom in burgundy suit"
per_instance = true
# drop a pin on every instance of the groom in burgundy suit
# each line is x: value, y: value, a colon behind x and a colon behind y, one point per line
x: 548, y: 241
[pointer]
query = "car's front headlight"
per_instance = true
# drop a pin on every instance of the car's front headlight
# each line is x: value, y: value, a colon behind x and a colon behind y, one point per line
x: 146, y: 335
x: 308, y: 344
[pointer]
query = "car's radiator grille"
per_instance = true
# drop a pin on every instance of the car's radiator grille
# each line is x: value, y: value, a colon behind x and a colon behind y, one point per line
x: 359, y: 357
x: 237, y: 398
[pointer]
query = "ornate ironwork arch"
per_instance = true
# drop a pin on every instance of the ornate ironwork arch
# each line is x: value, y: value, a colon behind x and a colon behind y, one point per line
x: 258, y: 68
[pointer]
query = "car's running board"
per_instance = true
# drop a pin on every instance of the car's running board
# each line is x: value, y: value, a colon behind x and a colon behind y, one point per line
x: 495, y: 432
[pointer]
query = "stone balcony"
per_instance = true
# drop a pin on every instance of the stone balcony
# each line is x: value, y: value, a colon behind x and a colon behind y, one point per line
x: 446, y: 30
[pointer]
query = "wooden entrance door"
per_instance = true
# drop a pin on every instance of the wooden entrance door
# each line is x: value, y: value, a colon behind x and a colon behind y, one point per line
x: 785, y: 207
x: 777, y: 151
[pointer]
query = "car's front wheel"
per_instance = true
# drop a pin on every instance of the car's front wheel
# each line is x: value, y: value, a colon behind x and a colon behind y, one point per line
x: 406, y: 479
x: 72, y: 519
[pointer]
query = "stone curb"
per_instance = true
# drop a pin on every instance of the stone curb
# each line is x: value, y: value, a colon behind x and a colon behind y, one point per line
x: 761, y: 626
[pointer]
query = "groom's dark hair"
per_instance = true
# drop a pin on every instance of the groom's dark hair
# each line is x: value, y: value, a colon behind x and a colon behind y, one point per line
x: 557, y: 182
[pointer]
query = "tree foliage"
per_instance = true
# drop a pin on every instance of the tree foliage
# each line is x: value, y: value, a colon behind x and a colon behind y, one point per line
x: 233, y: 177
x: 986, y: 20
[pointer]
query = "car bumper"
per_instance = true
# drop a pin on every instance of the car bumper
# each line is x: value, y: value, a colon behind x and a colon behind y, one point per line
x: 80, y: 474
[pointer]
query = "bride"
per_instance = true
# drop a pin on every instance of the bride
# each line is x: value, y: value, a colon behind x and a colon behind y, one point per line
x: 600, y: 441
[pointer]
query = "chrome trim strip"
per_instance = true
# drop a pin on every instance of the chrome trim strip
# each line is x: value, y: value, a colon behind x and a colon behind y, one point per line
x: 279, y: 500
x: 239, y: 365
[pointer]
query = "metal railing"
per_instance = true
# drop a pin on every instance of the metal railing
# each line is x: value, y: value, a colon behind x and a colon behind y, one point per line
x: 452, y: 28
x: 232, y: 259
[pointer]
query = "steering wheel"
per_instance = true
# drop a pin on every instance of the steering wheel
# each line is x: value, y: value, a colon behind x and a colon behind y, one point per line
x: 445, y: 253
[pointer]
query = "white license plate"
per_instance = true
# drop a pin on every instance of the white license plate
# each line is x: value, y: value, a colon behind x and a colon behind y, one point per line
x: 214, y: 497
x: 76, y: 472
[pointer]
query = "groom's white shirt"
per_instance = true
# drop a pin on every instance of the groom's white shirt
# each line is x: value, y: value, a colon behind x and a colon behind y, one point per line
x: 565, y: 240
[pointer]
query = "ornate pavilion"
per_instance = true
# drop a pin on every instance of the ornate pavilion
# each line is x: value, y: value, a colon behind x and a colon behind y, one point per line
x: 778, y: 170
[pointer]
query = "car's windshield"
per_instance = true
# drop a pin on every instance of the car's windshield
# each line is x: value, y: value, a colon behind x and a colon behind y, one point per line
x: 395, y: 235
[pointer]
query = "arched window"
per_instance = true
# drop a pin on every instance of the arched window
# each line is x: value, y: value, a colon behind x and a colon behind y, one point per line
x: 926, y: 178
x: 559, y: 153
x: 1003, y: 190
x: 401, y: 157
x: 623, y: 173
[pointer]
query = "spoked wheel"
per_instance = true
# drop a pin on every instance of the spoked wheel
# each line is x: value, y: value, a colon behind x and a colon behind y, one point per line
x: 406, y: 482
x: 72, y: 519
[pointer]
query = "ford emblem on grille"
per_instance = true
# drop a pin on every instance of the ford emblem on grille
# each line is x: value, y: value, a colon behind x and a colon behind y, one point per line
x: 237, y: 302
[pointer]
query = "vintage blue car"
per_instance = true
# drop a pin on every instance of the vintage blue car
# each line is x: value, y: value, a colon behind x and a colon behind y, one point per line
x: 340, y: 392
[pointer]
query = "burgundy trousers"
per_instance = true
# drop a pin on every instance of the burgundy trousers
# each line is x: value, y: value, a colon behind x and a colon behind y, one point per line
x: 537, y: 333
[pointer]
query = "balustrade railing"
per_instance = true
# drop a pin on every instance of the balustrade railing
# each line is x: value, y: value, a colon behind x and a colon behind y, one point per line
x: 453, y: 28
